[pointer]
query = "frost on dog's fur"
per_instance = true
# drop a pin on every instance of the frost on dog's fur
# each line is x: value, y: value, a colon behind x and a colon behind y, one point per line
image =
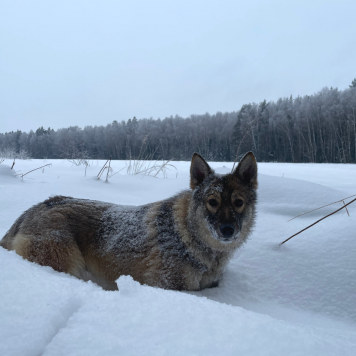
x: 181, y: 243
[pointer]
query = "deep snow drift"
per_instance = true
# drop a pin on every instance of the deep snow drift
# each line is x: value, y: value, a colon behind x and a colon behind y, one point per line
x: 298, y: 299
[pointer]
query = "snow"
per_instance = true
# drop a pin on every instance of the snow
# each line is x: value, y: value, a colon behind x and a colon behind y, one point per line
x: 297, y: 299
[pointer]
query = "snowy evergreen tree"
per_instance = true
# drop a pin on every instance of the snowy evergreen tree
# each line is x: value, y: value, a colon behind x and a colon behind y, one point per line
x: 313, y: 128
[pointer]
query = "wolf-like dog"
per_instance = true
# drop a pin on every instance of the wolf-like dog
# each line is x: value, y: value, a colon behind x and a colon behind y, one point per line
x: 181, y: 243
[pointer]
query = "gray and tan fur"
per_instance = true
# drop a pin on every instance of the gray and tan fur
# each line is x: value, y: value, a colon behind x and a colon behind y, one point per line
x: 181, y: 243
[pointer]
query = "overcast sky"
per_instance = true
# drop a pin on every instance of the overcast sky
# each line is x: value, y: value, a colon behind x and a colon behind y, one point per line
x: 65, y: 63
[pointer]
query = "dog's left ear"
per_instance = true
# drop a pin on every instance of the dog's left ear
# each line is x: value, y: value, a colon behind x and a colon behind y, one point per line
x: 199, y: 170
x: 247, y: 169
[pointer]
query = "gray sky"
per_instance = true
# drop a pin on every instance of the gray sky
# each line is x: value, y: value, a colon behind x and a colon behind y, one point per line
x: 66, y: 63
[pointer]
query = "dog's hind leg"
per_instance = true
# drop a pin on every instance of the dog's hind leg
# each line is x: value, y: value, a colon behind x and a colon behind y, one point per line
x: 57, y: 251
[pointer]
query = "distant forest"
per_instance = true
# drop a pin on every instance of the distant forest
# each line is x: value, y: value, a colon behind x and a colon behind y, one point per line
x: 312, y: 128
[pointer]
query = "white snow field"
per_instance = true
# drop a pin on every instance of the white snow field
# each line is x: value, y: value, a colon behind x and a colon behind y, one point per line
x: 298, y: 299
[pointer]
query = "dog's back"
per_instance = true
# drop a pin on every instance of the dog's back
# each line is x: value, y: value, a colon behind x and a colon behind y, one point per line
x: 183, y: 242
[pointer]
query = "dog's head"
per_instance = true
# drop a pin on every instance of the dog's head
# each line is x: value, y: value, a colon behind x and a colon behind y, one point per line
x: 226, y: 202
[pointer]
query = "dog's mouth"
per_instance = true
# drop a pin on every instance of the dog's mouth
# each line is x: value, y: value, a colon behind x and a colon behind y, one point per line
x: 231, y: 238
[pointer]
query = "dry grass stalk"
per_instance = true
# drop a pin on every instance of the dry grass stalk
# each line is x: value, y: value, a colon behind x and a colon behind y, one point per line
x: 145, y: 165
x: 343, y: 207
x: 109, y: 170
x: 339, y: 201
x: 238, y: 149
x: 154, y: 168
x: 22, y: 175
x: 117, y: 171
x: 346, y: 209
x: 103, y: 168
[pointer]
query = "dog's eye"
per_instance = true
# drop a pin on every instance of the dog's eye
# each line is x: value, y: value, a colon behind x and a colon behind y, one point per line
x: 238, y: 203
x: 213, y: 202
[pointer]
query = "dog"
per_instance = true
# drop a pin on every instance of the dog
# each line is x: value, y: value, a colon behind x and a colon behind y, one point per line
x: 181, y: 243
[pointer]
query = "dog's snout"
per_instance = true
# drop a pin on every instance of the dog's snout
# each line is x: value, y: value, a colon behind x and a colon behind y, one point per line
x: 227, y: 230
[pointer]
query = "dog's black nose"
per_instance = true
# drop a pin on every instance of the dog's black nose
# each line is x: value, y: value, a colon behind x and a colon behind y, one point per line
x: 227, y: 229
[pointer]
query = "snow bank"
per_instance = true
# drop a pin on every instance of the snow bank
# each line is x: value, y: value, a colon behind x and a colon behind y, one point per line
x: 49, y: 313
x: 295, y: 300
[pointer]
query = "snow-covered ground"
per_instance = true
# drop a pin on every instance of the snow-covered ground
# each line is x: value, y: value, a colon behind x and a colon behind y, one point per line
x: 298, y: 299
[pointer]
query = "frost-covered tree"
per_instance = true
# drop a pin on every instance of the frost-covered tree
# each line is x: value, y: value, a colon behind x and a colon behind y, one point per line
x: 313, y: 128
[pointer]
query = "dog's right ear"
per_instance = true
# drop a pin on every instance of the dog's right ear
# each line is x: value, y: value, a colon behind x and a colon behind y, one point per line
x: 247, y: 169
x: 199, y: 170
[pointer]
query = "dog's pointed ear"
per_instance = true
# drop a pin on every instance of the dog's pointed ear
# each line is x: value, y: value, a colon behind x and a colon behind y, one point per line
x: 247, y: 169
x: 199, y: 170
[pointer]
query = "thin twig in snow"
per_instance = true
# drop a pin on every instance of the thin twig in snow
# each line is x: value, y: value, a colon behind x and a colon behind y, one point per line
x: 107, y: 174
x: 339, y: 201
x: 49, y: 164
x: 102, y: 169
x: 346, y: 209
x: 343, y: 207
x: 118, y: 171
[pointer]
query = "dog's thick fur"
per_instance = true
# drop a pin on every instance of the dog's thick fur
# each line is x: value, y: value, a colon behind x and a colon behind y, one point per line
x: 181, y: 243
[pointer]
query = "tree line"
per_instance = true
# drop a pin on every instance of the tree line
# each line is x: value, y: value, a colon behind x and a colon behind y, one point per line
x: 312, y: 128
